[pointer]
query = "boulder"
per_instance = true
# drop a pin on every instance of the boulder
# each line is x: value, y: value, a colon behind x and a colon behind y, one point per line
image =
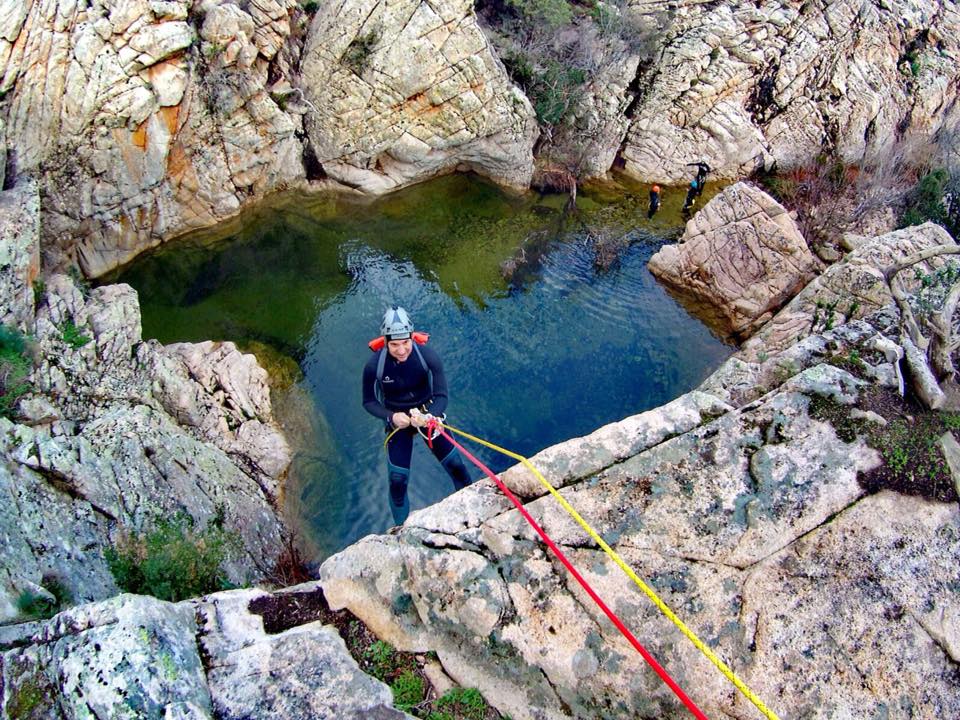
x: 211, y: 657
x: 302, y: 672
x: 741, y: 256
x: 130, y: 655
x: 404, y: 91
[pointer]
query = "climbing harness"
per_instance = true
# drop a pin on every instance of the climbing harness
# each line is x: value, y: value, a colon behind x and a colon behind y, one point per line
x: 612, y: 554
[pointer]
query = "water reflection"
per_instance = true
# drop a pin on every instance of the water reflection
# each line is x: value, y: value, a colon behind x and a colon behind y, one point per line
x: 555, y: 354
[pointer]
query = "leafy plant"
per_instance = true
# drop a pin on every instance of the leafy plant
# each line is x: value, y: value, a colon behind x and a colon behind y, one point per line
x: 79, y: 280
x: 72, y: 335
x: 408, y: 690
x: 39, y: 291
x: 926, y: 203
x: 554, y: 92
x: 550, y: 13
x: 381, y: 657
x: 174, y: 561
x: 311, y: 6
x: 15, y: 366
x: 39, y: 606
x: 358, y: 52
x: 466, y: 703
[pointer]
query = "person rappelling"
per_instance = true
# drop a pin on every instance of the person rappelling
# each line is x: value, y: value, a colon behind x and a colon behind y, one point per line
x: 404, y: 385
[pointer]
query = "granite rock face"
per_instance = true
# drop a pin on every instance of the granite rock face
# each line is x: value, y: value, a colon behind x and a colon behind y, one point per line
x: 742, y: 257
x: 119, y: 433
x: 145, y: 120
x: 404, y: 91
x: 139, y: 657
x: 19, y: 253
x: 128, y: 656
x: 744, y: 85
x: 139, y: 126
x: 849, y: 289
x: 302, y: 672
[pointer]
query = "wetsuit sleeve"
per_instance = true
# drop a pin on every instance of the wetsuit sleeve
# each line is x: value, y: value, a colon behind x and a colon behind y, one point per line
x: 370, y: 402
x: 438, y: 403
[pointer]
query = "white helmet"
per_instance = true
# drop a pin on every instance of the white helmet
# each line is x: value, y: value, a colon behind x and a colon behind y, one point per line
x: 396, y: 324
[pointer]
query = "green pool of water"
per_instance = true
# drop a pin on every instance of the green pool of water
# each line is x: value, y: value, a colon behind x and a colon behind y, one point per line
x: 551, y: 349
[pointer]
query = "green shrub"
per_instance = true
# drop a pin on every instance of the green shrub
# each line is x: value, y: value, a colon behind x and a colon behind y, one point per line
x: 72, y: 335
x: 358, y: 52
x: 39, y: 291
x: 925, y: 201
x: 408, y: 690
x: 15, y: 366
x: 466, y: 703
x: 35, y: 605
x: 554, y: 92
x: 311, y: 7
x: 381, y: 658
x: 551, y: 13
x: 79, y: 280
x: 174, y: 561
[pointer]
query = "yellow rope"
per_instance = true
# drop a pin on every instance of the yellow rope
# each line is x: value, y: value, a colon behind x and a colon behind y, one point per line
x: 648, y: 591
x: 392, y: 433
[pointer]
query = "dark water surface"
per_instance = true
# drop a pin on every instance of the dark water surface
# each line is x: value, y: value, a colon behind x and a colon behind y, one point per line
x: 555, y: 352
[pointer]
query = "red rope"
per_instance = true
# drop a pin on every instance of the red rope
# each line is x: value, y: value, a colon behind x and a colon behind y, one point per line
x: 691, y: 706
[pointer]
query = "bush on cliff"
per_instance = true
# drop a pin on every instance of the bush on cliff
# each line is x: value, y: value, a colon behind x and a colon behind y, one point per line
x: 554, y: 49
x: 174, y: 561
x: 936, y: 198
x: 15, y: 367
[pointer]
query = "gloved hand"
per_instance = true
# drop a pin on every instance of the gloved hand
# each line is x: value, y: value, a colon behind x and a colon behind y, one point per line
x: 400, y: 420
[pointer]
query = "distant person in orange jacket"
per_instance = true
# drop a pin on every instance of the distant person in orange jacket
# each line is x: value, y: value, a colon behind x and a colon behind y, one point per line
x: 654, y: 201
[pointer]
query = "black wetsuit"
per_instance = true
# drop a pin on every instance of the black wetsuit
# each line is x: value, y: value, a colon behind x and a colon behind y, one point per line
x: 403, y: 386
x: 654, y: 204
x: 692, y: 192
x: 702, y: 170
